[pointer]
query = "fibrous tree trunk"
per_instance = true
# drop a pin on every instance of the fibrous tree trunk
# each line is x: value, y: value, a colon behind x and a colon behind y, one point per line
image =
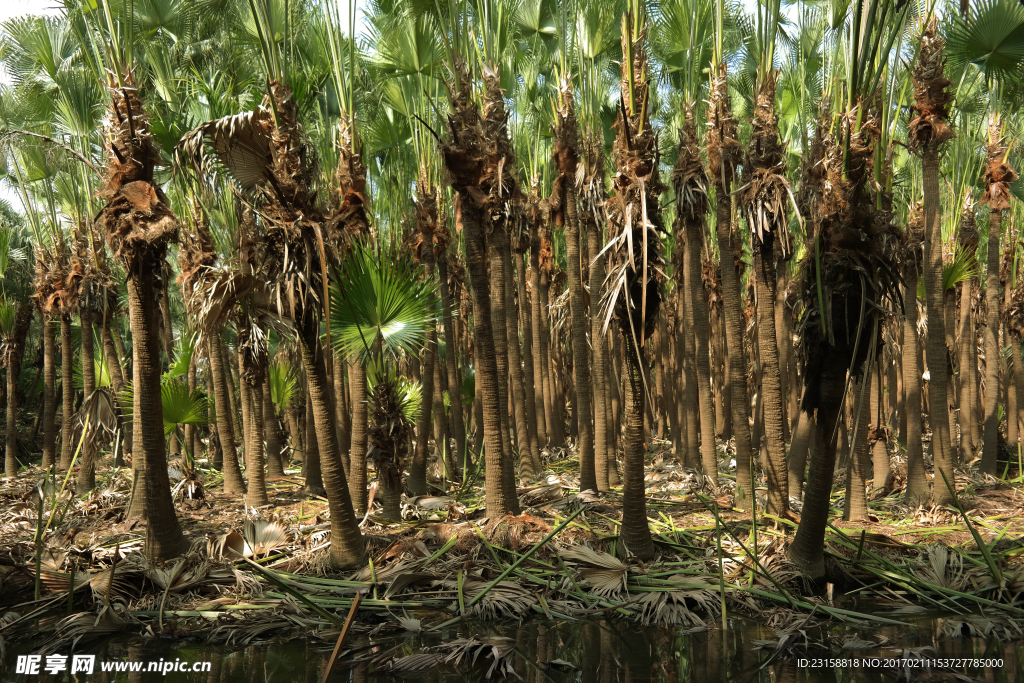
x: 917, y: 481
x: 87, y: 471
x: 360, y: 419
x: 233, y: 483
x: 49, y: 393
x: 458, y: 425
x: 15, y: 351
x: 275, y: 468
x: 67, y: 385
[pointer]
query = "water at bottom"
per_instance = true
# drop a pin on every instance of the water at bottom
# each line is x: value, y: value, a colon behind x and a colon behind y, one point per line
x: 590, y: 651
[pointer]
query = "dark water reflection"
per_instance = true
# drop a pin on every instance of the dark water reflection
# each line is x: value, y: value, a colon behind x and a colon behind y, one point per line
x: 557, y: 652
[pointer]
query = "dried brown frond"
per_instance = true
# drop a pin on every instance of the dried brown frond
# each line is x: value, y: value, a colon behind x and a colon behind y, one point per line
x: 767, y: 195
x: 721, y: 140
x: 998, y: 172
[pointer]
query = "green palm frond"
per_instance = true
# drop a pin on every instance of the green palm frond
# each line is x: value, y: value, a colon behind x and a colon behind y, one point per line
x: 284, y: 382
x: 990, y: 37
x: 182, y: 356
x: 963, y: 267
x: 380, y: 303
x: 180, y: 406
x: 102, y: 374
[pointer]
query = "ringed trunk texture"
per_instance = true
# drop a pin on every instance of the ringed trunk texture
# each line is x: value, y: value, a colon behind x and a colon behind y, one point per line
x: 856, y: 507
x: 347, y: 549
x: 458, y: 425
x: 49, y: 393
x: 697, y: 322
x: 360, y: 426
x: 583, y: 407
x: 636, y: 533
x: 968, y: 365
x: 164, y: 539
x: 771, y: 381
x: 602, y: 444
x: 275, y: 467
x: 233, y: 483
x: 417, y: 480
x: 990, y: 446
x: 529, y: 460
x: 499, y: 325
x: 917, y: 480
x: 877, y: 435
x: 67, y: 383
x: 544, y: 422
x: 935, y: 350
x: 22, y: 320
x: 87, y: 472
x: 311, y: 460
x: 252, y: 424
x: 527, y: 368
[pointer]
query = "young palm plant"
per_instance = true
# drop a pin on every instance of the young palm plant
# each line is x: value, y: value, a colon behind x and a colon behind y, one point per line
x: 380, y: 309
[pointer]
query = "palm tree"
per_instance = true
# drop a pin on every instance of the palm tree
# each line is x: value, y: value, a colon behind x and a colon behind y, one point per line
x: 927, y: 132
x: 913, y: 255
x: 634, y: 291
x: 380, y: 309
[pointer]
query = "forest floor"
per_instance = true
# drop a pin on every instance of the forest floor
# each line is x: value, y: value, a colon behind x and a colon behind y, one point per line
x: 254, y: 572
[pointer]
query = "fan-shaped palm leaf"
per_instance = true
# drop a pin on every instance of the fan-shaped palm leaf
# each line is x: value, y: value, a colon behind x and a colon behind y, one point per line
x: 991, y: 36
x: 380, y: 303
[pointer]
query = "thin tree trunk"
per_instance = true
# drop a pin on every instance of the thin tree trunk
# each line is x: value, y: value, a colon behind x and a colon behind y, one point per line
x: 526, y: 373
x: 917, y: 481
x: 583, y: 405
x: 540, y: 359
x: 686, y: 350
x: 879, y: 450
x: 935, y: 349
x: 856, y: 507
x: 553, y: 400
x: 360, y: 425
x: 458, y: 425
x: 604, y: 449
x: 311, y: 461
x: 233, y: 483
x: 417, y: 480
x: 697, y: 321
x: 784, y: 344
x: 229, y: 382
x: 67, y: 382
x: 803, y: 434
x: 87, y: 472
x: 49, y: 393
x: 341, y: 412
x: 22, y: 321
x: 165, y: 309
x: 275, y: 468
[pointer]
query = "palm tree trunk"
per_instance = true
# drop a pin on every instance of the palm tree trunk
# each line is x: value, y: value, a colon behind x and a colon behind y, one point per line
x: 341, y: 411
x: 190, y: 431
x: 252, y: 425
x: 233, y: 483
x: 807, y: 551
x: 917, y: 481
x: 489, y: 381
x: 784, y: 344
x: 661, y: 364
x: 22, y: 321
x: 275, y: 468
x: 636, y: 534
x: 347, y: 549
x: 311, y: 461
x: 856, y: 507
x: 614, y: 379
x: 687, y: 351
x: 582, y: 407
x: 544, y: 423
x: 360, y: 426
x: 527, y: 368
x: 499, y: 344
x: 529, y: 460
x: 49, y: 393
x: 602, y: 431
x: 458, y: 425
x: 229, y: 382
x: 803, y: 434
x: 552, y: 399
x: 990, y: 446
x: 771, y: 398
x: 417, y: 480
x: 165, y: 309
x: 736, y: 358
x: 67, y: 383
x: 877, y: 434
x: 164, y: 539
x: 87, y: 472
x: 697, y: 321
x: 935, y: 349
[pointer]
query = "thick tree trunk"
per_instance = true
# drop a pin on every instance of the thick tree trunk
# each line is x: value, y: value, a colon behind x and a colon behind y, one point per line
x: 49, y: 393
x: 583, y: 405
x: 636, y: 533
x: 990, y: 447
x: 499, y: 483
x: 772, y: 399
x: 937, y: 354
x: 233, y: 483
x: 785, y: 344
x: 167, y: 335
x: 803, y: 434
x: 164, y: 539
x: 879, y: 449
x: 347, y: 549
x: 67, y: 384
x: 807, y: 551
x: 917, y: 481
x: 360, y: 420
x: 965, y: 375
